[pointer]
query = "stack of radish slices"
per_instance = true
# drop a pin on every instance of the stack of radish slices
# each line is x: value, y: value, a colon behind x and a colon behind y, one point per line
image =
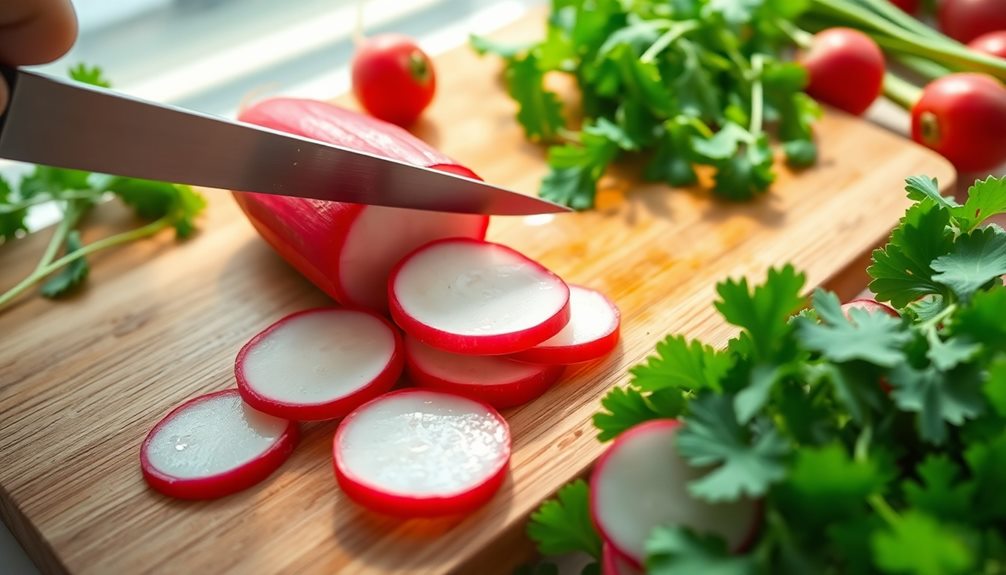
x: 485, y: 328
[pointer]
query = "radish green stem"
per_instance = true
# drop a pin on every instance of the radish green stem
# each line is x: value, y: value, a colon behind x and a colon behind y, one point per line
x: 883, y: 509
x: 757, y: 93
x: 71, y: 214
x: 900, y: 91
x: 665, y: 39
x: 973, y: 60
x: 800, y: 37
x: 897, y: 16
x: 111, y: 241
x: 922, y: 66
x: 862, y: 449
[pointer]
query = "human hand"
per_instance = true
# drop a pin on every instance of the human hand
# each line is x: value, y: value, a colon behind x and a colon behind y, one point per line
x: 34, y: 32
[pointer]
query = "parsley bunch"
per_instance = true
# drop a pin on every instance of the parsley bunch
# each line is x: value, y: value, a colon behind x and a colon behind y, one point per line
x: 164, y: 205
x: 687, y: 83
x: 876, y: 443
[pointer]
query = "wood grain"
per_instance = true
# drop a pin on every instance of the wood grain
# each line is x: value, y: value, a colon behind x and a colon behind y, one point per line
x: 82, y: 381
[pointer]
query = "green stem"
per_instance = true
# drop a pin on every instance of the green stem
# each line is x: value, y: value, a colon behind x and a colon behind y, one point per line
x: 922, y: 66
x: 104, y: 243
x: 800, y: 37
x: 46, y: 198
x: 862, y: 449
x: 883, y: 509
x: 673, y: 33
x: 757, y: 94
x: 895, y: 15
x: 964, y: 59
x: 900, y: 91
x: 933, y: 323
x: 74, y: 210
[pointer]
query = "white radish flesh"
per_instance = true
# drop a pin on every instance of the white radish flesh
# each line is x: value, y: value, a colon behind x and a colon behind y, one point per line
x: 641, y: 482
x: 498, y: 381
x: 591, y: 333
x: 214, y: 445
x: 416, y: 452
x: 319, y: 363
x: 471, y: 296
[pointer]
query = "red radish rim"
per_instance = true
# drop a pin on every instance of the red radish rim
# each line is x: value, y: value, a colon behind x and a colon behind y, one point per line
x: 331, y: 409
x: 219, y: 484
x: 646, y: 426
x: 580, y: 353
x: 495, y: 344
x: 377, y: 499
x: 500, y: 396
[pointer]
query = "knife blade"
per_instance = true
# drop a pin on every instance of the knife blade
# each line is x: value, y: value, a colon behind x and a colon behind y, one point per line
x: 67, y: 124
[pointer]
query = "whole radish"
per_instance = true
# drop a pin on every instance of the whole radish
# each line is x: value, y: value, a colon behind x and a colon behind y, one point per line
x: 992, y: 43
x: 907, y: 6
x: 393, y: 79
x: 963, y: 117
x: 846, y: 69
x: 965, y: 20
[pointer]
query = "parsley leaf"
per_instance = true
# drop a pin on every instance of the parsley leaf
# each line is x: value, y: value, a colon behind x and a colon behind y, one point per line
x: 763, y: 312
x: 576, y: 169
x: 680, y: 364
x: 922, y: 187
x: 986, y: 198
x: 153, y: 200
x: 71, y: 276
x: 937, y: 397
x: 562, y: 525
x: 623, y: 408
x: 988, y: 466
x: 540, y: 112
x: 747, y: 463
x: 671, y: 161
x: 901, y: 270
x: 89, y: 75
x: 982, y: 320
x: 941, y: 493
x: 874, y: 337
x: 977, y: 259
x: 671, y: 550
x: 995, y: 387
x: 918, y: 544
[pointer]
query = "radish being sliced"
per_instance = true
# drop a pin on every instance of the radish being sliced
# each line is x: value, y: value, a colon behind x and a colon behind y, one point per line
x: 640, y: 482
x: 346, y: 249
x: 422, y: 453
x: 470, y: 296
x: 214, y: 445
x: 498, y: 381
x: 592, y: 331
x: 319, y: 363
x: 614, y: 564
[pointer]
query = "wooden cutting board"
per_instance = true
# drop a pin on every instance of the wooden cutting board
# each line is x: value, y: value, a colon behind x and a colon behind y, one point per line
x: 82, y: 381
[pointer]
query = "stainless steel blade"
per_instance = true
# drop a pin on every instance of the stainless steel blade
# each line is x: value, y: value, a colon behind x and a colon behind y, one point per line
x: 71, y: 125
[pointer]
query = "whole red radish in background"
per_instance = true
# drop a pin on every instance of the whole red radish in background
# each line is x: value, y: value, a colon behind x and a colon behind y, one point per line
x: 992, y: 43
x: 393, y: 79
x: 846, y: 69
x: 963, y: 117
x: 965, y: 20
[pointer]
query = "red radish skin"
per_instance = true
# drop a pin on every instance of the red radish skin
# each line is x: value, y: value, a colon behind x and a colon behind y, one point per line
x: 182, y: 431
x: 965, y: 20
x: 614, y: 564
x: 393, y: 79
x: 870, y: 305
x: 496, y: 380
x: 460, y: 295
x: 592, y: 331
x: 846, y: 69
x: 319, y: 363
x: 991, y: 43
x: 640, y: 483
x: 963, y: 117
x: 907, y: 6
x: 381, y: 436
x: 347, y: 249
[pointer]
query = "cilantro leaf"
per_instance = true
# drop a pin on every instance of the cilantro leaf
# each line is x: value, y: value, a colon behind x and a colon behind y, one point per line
x: 680, y: 364
x: 922, y: 187
x: 89, y: 75
x: 977, y: 259
x: 937, y: 397
x: 948, y: 354
x: 11, y: 217
x: 763, y: 312
x: 825, y: 484
x: 576, y: 169
x: 625, y: 407
x: 153, y: 200
x: 918, y: 544
x: 485, y: 45
x: 540, y: 112
x: 747, y: 463
x: 988, y: 467
x: 72, y: 275
x: 982, y: 319
x: 986, y: 198
x: 901, y: 270
x: 873, y: 337
x: 995, y: 385
x: 671, y: 550
x: 671, y: 162
x: 563, y: 524
x: 941, y: 493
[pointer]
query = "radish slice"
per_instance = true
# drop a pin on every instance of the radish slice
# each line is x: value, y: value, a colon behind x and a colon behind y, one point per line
x: 614, y: 564
x: 869, y: 305
x: 592, y: 331
x: 214, y: 445
x: 319, y: 363
x: 345, y: 249
x: 640, y: 482
x: 498, y: 381
x: 476, y: 297
x: 422, y: 453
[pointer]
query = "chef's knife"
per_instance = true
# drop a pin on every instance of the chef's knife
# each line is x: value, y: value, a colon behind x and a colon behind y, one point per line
x: 72, y: 125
